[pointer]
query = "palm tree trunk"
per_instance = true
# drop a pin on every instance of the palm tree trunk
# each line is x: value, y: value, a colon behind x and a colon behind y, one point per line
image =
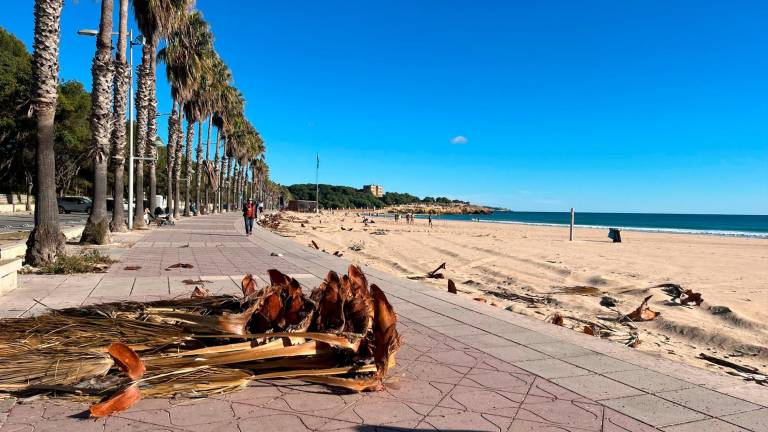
x: 239, y: 197
x: 46, y: 240
x: 142, y: 97
x: 236, y: 185
x: 170, y: 154
x: 229, y: 183
x: 198, y: 165
x: 122, y: 79
x: 177, y: 165
x: 207, y: 152
x: 188, y: 178
x: 253, y: 180
x: 152, y: 127
x: 217, y: 174
x: 96, y: 229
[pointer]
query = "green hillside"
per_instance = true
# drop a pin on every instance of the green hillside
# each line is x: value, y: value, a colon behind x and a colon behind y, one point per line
x: 332, y: 196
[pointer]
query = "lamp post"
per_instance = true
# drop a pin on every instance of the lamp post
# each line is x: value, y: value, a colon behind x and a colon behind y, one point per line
x: 139, y: 41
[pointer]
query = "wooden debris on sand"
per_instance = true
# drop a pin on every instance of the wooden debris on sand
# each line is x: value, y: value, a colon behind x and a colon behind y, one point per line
x: 434, y: 274
x: 680, y: 294
x: 532, y: 300
x: 746, y: 372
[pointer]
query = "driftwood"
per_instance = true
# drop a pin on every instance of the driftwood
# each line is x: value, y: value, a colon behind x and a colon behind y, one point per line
x: 313, y: 244
x: 357, y: 246
x: 526, y: 298
x: 729, y: 364
x: 434, y: 274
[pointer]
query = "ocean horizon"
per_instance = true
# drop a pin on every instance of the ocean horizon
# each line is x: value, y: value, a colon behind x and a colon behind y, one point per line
x: 712, y: 224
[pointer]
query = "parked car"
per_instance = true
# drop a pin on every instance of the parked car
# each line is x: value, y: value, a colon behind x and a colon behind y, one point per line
x: 71, y: 204
x: 111, y: 205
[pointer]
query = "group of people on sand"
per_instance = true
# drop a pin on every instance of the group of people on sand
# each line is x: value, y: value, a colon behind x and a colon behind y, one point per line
x: 409, y: 218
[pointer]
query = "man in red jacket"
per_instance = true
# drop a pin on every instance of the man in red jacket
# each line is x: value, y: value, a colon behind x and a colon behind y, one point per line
x: 249, y: 213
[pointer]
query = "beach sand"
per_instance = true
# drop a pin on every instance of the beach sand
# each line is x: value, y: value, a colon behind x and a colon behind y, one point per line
x: 483, y: 258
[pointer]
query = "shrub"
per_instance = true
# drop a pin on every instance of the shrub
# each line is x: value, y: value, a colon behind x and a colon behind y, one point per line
x: 88, y: 261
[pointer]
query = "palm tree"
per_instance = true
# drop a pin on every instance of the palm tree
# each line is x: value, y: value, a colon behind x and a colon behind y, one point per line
x: 177, y: 167
x: 156, y: 19
x: 260, y: 170
x: 219, y: 85
x: 152, y: 129
x: 46, y: 240
x: 170, y: 154
x: 187, y: 58
x: 188, y: 166
x: 122, y: 80
x: 229, y: 114
x: 96, y: 229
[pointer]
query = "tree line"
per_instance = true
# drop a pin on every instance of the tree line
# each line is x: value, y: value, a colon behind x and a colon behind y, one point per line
x: 336, y: 197
x: 72, y: 135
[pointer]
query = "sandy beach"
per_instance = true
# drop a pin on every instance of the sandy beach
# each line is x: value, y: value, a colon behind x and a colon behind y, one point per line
x: 489, y: 261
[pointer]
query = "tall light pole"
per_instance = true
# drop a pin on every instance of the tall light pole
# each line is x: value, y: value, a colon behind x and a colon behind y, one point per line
x: 317, y: 185
x: 130, y: 132
x: 139, y: 41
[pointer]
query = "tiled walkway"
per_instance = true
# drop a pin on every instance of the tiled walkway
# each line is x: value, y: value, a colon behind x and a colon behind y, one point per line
x: 463, y: 366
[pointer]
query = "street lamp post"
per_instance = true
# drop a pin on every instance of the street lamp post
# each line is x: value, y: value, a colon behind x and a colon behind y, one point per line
x: 130, y: 133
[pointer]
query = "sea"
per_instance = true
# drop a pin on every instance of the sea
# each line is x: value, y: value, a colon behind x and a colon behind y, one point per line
x: 713, y: 224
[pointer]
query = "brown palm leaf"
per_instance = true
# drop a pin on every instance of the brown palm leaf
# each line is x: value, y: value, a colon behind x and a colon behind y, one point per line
x: 330, y: 304
x: 120, y: 401
x: 127, y: 360
x: 386, y: 341
x: 248, y: 285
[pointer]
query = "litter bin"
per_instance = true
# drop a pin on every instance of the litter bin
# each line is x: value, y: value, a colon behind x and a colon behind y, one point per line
x: 614, y: 234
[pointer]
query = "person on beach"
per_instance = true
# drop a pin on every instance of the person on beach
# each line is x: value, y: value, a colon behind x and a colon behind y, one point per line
x: 430, y: 219
x: 249, y: 213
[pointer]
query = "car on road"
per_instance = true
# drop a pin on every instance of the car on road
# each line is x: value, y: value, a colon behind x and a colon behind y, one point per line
x: 77, y: 204
x: 111, y: 204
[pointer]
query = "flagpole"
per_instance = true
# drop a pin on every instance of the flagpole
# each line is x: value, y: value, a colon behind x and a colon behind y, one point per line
x: 317, y: 185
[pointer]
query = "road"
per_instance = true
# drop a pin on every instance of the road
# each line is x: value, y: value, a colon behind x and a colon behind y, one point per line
x: 24, y: 222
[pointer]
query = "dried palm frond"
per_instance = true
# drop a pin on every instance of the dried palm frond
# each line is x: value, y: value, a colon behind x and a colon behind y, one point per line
x: 329, y: 298
x: 344, y: 335
x: 120, y: 401
x: 197, y: 383
x: 28, y: 367
x: 643, y: 312
x: 127, y: 360
x: 386, y: 341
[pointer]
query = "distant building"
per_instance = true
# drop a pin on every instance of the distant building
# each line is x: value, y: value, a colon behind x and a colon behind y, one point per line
x: 302, y: 206
x: 375, y: 190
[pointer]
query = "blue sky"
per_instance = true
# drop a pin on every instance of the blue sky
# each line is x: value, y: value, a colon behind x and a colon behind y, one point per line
x: 637, y: 106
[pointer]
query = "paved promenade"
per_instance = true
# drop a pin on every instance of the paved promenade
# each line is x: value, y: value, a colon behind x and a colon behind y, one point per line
x: 463, y: 365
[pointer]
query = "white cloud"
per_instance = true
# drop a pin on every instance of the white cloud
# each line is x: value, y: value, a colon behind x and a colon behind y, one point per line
x: 459, y: 139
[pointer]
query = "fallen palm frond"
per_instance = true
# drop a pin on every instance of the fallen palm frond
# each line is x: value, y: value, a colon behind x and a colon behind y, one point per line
x: 344, y: 335
x: 643, y: 312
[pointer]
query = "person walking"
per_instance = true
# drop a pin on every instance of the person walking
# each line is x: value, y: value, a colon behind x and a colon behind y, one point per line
x: 249, y: 213
x: 430, y: 220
